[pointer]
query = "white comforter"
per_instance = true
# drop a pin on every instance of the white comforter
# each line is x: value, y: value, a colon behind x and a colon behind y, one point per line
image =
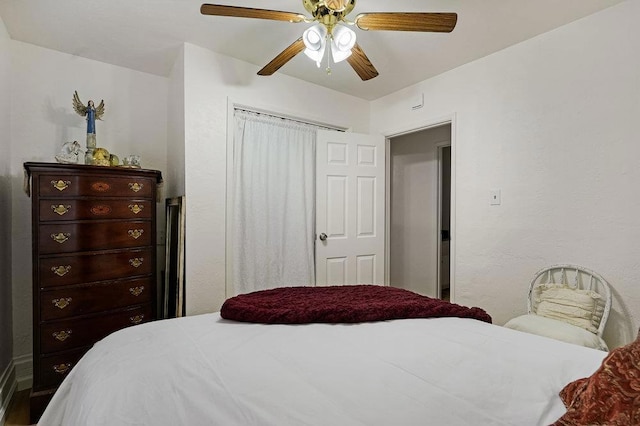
x: 203, y: 370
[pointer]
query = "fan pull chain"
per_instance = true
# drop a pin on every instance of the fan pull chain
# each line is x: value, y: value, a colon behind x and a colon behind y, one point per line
x: 328, y: 55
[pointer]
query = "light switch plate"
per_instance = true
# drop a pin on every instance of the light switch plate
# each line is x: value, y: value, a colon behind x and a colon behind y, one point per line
x: 495, y: 197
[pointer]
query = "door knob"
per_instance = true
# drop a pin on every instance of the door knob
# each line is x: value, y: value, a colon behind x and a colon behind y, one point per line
x: 323, y: 237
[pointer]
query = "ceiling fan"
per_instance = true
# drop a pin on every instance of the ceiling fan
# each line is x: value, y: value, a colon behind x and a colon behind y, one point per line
x: 331, y: 30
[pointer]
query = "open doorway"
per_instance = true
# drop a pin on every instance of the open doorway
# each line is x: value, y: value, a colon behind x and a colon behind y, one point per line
x: 444, y: 208
x: 419, y: 211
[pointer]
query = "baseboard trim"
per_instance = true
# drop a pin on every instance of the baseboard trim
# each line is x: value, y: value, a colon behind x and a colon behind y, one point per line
x: 24, y: 371
x: 8, y: 385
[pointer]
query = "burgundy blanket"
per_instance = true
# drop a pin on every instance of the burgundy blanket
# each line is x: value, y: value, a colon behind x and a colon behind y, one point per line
x: 340, y: 304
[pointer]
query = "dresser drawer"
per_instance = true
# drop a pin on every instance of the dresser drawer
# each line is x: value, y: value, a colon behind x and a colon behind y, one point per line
x: 80, y: 332
x: 66, y: 302
x: 61, y: 185
x: 104, y: 208
x: 85, y: 236
x: 94, y: 266
x: 53, y: 369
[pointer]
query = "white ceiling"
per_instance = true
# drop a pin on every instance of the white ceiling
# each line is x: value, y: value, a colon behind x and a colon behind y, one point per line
x: 146, y: 34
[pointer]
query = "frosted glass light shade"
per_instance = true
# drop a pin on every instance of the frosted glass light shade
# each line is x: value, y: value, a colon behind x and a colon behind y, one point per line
x: 315, y: 40
x: 342, y: 41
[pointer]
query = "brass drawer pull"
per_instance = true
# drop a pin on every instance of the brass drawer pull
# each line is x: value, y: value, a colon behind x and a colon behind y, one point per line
x: 135, y: 187
x: 137, y: 319
x: 61, y: 185
x: 136, y: 291
x: 61, y: 335
x: 136, y: 262
x: 62, y: 303
x: 135, y: 233
x: 60, y: 237
x: 61, y: 271
x: 135, y: 208
x: 62, y: 368
x: 60, y: 209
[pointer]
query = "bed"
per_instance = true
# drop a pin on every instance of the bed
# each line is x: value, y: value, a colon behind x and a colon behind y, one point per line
x: 208, y: 370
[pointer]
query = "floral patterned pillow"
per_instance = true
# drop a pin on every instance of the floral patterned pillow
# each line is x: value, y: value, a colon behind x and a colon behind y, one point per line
x: 611, y: 396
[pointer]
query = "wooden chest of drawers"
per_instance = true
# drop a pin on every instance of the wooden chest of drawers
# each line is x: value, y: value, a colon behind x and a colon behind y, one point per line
x: 94, y: 262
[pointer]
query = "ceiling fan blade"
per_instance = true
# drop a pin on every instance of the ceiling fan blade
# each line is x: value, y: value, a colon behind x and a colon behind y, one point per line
x: 285, y: 56
x: 361, y: 64
x: 247, y: 12
x: 401, y: 21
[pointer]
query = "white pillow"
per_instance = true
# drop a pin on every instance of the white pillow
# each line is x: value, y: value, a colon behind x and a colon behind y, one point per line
x: 577, y: 307
x: 558, y: 330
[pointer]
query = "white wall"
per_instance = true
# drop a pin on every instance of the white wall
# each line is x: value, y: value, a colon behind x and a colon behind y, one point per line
x: 6, y: 341
x: 42, y: 119
x: 413, y: 245
x: 175, y: 130
x: 210, y: 80
x: 553, y: 123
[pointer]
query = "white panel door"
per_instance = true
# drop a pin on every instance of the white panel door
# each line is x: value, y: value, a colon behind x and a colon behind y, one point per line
x: 350, y: 209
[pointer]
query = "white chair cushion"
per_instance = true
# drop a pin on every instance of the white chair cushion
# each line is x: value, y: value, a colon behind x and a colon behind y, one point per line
x: 558, y: 330
x: 576, y: 307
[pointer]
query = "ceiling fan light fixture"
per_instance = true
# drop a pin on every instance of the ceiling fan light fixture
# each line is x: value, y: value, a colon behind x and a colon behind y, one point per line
x: 315, y: 37
x: 330, y: 17
x: 342, y: 41
x: 343, y: 37
x: 315, y: 55
x: 339, y: 55
x: 315, y: 41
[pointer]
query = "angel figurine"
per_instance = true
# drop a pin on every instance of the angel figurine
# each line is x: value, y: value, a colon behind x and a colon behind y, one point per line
x: 69, y: 153
x: 92, y: 113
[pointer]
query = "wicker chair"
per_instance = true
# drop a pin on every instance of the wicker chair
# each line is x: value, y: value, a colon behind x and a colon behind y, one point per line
x: 569, y: 303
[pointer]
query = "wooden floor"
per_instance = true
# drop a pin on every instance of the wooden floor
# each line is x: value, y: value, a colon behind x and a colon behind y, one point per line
x: 18, y: 411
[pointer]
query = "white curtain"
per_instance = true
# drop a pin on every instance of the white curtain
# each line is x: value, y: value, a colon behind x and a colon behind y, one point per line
x: 273, y: 203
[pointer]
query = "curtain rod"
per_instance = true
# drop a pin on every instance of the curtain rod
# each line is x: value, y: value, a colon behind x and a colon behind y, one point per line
x: 287, y: 117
